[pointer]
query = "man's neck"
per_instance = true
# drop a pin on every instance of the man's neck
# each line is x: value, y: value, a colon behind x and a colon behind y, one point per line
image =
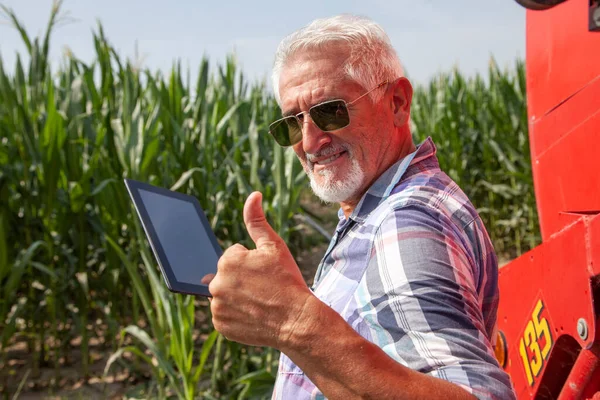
x: 405, y: 148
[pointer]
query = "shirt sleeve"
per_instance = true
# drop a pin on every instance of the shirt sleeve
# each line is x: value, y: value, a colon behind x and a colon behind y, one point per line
x: 419, y: 301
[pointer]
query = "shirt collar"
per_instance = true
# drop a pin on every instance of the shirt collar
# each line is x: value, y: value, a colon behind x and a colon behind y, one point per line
x: 383, y: 186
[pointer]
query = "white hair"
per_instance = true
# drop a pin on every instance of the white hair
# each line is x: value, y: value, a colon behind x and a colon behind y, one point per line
x: 372, y: 59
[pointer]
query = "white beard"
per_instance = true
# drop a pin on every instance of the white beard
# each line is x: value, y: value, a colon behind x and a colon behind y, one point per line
x: 332, y: 190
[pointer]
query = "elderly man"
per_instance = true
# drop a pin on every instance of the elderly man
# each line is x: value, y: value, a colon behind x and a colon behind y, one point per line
x: 404, y: 301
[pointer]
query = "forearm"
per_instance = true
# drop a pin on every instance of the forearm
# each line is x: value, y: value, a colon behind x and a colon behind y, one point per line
x: 344, y: 365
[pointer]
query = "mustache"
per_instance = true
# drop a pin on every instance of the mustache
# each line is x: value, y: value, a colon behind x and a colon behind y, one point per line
x: 327, y: 151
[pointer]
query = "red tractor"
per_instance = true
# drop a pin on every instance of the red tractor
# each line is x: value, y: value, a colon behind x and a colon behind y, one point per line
x: 549, y: 314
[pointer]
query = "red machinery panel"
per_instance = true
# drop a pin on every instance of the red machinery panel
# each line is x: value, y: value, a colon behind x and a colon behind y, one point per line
x: 563, y: 94
x: 562, y: 55
x: 549, y: 309
x: 566, y: 173
x: 594, y: 248
x: 544, y: 295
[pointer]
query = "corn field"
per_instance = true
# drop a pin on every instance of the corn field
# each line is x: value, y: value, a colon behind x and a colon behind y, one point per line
x: 75, y: 268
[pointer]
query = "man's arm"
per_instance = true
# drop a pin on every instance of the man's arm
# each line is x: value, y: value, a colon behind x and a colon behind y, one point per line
x: 344, y: 365
x: 417, y: 300
x: 260, y: 298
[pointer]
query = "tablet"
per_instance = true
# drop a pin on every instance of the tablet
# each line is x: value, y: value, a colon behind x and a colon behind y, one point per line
x: 181, y: 238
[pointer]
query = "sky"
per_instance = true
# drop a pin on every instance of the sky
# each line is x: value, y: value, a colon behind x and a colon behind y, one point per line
x: 430, y: 36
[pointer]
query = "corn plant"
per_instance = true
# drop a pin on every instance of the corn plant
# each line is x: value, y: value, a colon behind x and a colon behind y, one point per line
x: 480, y: 128
x: 74, y: 262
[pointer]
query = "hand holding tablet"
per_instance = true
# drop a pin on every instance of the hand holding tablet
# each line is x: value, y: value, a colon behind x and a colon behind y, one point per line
x: 256, y: 293
x: 183, y: 243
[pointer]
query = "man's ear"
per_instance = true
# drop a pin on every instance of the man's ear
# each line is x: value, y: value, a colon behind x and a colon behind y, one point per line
x: 402, y: 92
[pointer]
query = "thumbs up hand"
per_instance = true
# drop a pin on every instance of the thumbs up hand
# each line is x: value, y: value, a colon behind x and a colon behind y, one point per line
x: 258, y: 295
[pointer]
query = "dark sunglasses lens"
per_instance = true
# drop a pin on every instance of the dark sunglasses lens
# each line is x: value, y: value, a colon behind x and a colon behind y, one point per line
x: 286, y: 131
x: 330, y: 116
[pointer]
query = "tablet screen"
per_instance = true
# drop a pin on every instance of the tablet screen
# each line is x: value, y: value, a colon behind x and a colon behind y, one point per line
x: 182, y: 236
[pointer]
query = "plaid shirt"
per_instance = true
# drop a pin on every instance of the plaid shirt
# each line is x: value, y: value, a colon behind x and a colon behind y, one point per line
x: 413, y: 271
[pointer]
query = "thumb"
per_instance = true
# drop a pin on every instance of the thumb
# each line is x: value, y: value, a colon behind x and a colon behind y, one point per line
x: 254, y: 217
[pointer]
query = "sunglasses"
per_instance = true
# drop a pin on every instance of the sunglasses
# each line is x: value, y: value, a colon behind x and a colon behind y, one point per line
x: 328, y: 116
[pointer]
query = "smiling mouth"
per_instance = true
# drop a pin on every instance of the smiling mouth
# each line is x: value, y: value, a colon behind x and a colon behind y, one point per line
x: 330, y: 159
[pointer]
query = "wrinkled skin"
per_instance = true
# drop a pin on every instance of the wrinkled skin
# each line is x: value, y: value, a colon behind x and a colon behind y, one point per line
x: 377, y: 135
x: 259, y: 295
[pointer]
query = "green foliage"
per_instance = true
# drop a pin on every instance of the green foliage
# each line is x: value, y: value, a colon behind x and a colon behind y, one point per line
x: 66, y: 223
x: 480, y: 129
x: 72, y: 251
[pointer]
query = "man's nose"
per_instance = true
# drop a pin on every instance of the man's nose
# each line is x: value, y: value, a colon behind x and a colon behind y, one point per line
x: 313, y: 138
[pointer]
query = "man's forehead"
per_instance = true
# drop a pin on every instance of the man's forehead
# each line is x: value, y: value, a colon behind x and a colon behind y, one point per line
x: 305, y: 67
x: 313, y: 75
x: 310, y: 92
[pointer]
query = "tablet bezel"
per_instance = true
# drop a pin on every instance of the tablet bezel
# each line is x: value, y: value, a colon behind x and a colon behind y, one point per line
x: 173, y: 284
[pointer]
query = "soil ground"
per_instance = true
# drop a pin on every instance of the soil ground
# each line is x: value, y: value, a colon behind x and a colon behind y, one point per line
x: 69, y: 383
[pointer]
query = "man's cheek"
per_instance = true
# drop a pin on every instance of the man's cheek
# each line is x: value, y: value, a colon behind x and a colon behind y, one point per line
x: 305, y: 164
